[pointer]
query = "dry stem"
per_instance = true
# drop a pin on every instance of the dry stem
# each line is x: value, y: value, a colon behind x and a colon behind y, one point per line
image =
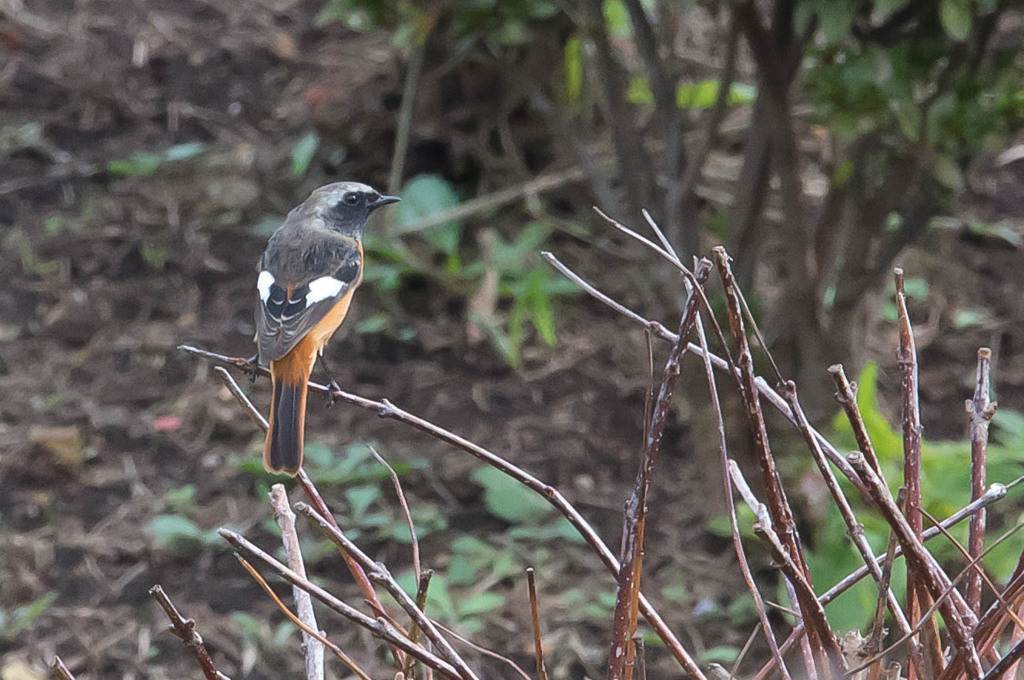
x: 538, y: 646
x: 379, y: 627
x: 313, y: 649
x: 185, y: 629
x: 979, y: 412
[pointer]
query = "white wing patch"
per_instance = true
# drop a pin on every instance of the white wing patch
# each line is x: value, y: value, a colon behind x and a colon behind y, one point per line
x: 263, y: 285
x: 322, y: 289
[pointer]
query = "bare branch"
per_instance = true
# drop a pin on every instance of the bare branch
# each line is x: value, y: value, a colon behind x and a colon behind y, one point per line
x: 538, y: 646
x: 58, y: 671
x: 379, y: 573
x: 185, y: 629
x: 312, y: 632
x: 314, y: 650
x: 979, y: 412
x: 379, y: 627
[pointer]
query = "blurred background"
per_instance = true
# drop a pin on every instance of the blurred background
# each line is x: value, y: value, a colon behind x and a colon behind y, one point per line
x: 149, y: 147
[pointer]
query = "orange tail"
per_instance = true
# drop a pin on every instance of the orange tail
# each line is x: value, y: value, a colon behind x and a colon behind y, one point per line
x: 283, y: 450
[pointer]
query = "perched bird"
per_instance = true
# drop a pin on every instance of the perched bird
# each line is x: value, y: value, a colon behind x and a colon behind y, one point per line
x: 311, y: 267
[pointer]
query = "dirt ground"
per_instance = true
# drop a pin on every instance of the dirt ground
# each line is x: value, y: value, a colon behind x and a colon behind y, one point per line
x: 106, y: 429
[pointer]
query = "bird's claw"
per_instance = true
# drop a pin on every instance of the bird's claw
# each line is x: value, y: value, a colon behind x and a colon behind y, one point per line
x: 332, y: 388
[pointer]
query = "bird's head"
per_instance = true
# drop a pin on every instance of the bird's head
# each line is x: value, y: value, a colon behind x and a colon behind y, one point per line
x: 345, y: 206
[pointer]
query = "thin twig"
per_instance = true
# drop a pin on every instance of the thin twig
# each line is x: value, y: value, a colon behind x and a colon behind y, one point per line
x: 995, y: 492
x: 538, y: 646
x: 404, y: 124
x: 314, y: 650
x: 405, y: 512
x: 979, y: 412
x: 823, y: 642
x: 58, y: 671
x: 185, y: 629
x: 766, y: 392
x: 306, y: 630
x: 379, y: 573
x: 846, y: 395
x: 379, y: 627
x: 737, y: 539
x: 828, y: 657
x: 976, y: 566
x: 422, y: 585
x: 874, y: 641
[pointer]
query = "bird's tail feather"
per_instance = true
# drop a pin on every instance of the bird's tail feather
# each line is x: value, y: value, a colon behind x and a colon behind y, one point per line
x: 282, y: 452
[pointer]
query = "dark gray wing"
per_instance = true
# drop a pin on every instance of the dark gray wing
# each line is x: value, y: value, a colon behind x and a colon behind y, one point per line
x: 297, y: 286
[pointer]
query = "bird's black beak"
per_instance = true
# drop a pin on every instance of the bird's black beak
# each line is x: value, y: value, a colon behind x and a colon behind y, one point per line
x: 384, y: 200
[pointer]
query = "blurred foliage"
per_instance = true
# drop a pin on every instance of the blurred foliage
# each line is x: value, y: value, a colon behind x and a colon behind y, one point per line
x: 526, y: 290
x: 15, y: 620
x: 945, y: 488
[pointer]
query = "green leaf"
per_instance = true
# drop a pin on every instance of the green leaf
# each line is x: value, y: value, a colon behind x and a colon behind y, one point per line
x: 480, y: 603
x: 140, y: 164
x: 510, y: 500
x: 956, y: 19
x: 639, y: 91
x: 21, y: 618
x: 617, y: 17
x: 426, y: 195
x: 947, y: 172
x: 704, y: 93
x: 968, y: 318
x: 303, y: 152
x: 174, y: 530
x: 573, y: 65
x: 360, y: 498
x: 182, y: 152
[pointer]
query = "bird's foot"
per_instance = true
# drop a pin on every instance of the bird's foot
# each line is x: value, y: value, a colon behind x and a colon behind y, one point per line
x: 332, y: 389
x: 251, y: 368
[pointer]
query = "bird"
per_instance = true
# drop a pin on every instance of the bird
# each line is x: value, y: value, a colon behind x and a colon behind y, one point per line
x: 308, y: 274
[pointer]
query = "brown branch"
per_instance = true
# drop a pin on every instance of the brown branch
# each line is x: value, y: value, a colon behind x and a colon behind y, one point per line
x: 959, y: 619
x: 538, y: 646
x: 379, y: 573
x: 306, y: 630
x: 911, y: 421
x: 378, y: 627
x: 185, y: 629
x: 737, y: 539
x: 825, y: 647
x: 626, y: 603
x: 313, y: 650
x: 422, y: 585
x: 395, y: 482
x: 386, y: 409
x: 58, y: 671
x: 846, y: 395
x: 995, y: 492
x: 1007, y: 663
x: 979, y: 412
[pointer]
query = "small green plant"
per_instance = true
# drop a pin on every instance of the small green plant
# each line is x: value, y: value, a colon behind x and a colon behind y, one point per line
x: 14, y: 621
x: 142, y: 163
x: 526, y: 289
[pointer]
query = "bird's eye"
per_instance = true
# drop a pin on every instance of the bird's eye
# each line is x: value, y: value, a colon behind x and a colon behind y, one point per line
x: 351, y: 198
